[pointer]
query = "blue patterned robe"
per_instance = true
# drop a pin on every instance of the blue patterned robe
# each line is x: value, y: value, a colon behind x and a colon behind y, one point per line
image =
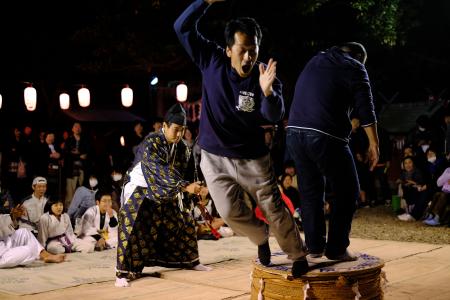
x: 153, y: 229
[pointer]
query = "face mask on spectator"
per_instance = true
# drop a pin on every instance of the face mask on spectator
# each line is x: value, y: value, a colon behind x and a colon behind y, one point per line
x: 116, y: 177
x: 425, y: 147
x: 93, y: 182
x: 432, y: 159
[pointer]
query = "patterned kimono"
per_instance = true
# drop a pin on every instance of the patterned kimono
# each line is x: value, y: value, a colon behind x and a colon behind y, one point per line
x: 156, y: 227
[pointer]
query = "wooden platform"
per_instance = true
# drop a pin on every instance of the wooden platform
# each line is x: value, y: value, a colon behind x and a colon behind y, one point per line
x: 325, y: 280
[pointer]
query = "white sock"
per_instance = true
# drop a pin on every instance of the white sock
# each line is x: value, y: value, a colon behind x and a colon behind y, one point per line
x: 121, y: 282
x: 201, y: 267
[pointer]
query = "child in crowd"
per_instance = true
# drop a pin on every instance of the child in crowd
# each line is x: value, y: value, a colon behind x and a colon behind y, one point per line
x: 56, y: 233
x: 98, y: 226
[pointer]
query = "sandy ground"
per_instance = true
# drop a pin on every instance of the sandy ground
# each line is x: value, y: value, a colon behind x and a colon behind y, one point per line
x: 380, y: 223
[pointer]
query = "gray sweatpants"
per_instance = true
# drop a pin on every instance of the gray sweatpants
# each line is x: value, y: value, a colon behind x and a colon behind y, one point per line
x: 227, y: 180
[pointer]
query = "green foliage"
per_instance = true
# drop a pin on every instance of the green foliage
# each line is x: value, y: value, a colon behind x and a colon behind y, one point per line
x: 381, y: 17
x: 385, y: 21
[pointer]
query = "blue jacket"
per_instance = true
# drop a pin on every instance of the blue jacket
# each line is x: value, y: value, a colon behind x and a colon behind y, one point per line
x: 233, y: 108
x: 329, y: 88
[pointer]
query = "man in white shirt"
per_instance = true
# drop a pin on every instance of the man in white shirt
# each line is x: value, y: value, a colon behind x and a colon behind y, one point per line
x: 34, y: 206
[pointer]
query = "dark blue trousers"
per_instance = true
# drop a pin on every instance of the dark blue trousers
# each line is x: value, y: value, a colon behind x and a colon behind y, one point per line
x: 319, y: 157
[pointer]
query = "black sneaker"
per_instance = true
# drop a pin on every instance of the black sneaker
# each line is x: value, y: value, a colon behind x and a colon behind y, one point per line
x: 264, y: 254
x: 300, y: 267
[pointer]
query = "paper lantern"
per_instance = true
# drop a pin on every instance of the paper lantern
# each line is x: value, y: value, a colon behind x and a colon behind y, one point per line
x: 84, y: 97
x: 122, y: 141
x: 127, y: 97
x: 182, y: 92
x: 30, y: 97
x: 64, y: 101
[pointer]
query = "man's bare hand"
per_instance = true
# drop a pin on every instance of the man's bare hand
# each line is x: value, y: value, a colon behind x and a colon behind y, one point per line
x: 204, y: 191
x: 267, y: 77
x: 373, y: 154
x: 193, y: 188
x: 18, y: 212
x: 110, y: 211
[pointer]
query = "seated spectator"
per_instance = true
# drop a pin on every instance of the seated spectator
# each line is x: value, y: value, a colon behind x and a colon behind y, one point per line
x: 413, y: 190
x: 56, y: 232
x: 286, y: 201
x: 116, y: 188
x: 157, y: 124
x: 34, y: 206
x: 209, y: 224
x: 440, y: 203
x: 188, y: 138
x: 83, y: 198
x: 20, y: 247
x: 289, y: 168
x: 98, y: 226
x: 289, y: 190
x: 435, y: 166
x: 6, y: 201
x: 408, y: 151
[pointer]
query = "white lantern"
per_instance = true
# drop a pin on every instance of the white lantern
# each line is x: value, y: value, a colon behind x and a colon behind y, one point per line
x: 1, y: 101
x: 84, y: 97
x: 122, y: 141
x: 182, y: 92
x: 30, y: 98
x: 127, y: 97
x: 64, y: 101
x: 154, y: 81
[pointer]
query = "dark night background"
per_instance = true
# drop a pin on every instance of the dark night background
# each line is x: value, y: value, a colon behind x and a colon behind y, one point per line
x: 105, y: 44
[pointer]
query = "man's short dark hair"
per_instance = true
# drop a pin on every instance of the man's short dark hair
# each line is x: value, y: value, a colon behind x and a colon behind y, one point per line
x: 100, y: 193
x: 246, y: 25
x: 355, y: 50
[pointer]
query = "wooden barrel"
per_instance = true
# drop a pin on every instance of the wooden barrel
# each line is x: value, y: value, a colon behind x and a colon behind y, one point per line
x: 326, y: 279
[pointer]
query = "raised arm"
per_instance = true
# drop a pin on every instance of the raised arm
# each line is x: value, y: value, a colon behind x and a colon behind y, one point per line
x: 272, y: 104
x: 199, y: 48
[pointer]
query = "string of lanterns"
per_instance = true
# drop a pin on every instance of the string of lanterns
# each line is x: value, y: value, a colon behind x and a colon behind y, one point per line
x: 84, y: 97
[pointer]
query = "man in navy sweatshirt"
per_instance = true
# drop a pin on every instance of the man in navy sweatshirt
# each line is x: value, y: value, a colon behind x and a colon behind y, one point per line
x: 332, y: 85
x: 237, y: 99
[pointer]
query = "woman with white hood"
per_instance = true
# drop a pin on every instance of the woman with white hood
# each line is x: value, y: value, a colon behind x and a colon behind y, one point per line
x: 83, y: 198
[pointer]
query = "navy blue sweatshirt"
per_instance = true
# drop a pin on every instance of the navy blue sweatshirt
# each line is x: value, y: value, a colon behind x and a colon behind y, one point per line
x: 233, y: 108
x: 329, y: 88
